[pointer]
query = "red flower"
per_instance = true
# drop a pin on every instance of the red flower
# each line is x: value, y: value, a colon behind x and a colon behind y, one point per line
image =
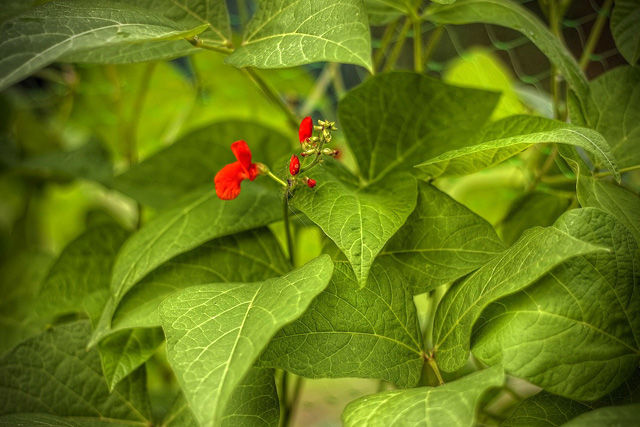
x: 311, y: 182
x: 306, y: 129
x: 294, y: 165
x: 228, y: 180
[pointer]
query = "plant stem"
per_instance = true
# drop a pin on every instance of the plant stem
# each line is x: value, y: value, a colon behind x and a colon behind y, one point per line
x: 431, y: 44
x: 271, y: 93
x: 206, y: 44
x: 290, y: 406
x: 338, y: 83
x: 287, y: 230
x: 554, y: 87
x: 320, y: 88
x: 384, y: 43
x: 594, y: 35
x: 276, y: 179
x: 434, y: 366
x: 397, y: 48
x: 417, y: 46
x: 623, y: 170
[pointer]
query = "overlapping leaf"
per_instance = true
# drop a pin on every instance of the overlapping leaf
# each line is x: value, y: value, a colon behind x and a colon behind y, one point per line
x: 54, y: 374
x: 286, y: 33
x: 508, y: 13
x: 358, y: 219
x: 353, y: 331
x: 576, y: 332
x: 441, y: 241
x: 532, y: 256
x: 41, y: 35
x: 396, y: 120
x: 216, y: 332
x: 625, y: 20
x: 625, y: 415
x: 503, y: 139
x: 453, y: 404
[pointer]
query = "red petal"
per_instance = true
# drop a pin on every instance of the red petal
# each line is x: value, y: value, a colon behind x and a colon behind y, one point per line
x: 243, y: 153
x: 253, y: 171
x: 228, y: 181
x: 306, y: 129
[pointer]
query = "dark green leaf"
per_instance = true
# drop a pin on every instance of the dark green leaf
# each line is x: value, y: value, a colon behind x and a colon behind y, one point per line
x: 453, y: 404
x: 507, y: 137
x: 613, y: 416
x: 216, y: 332
x: 194, y: 160
x: 441, y: 241
x: 624, y: 27
x: 286, y: 33
x: 576, y: 332
x: 358, y: 219
x: 40, y: 36
x: 510, y: 14
x: 396, y: 120
x: 537, y: 252
x: 353, y: 331
x: 47, y: 420
x: 54, y: 374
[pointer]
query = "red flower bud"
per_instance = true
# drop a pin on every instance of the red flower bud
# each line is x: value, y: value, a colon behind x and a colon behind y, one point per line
x: 294, y: 165
x: 311, y: 182
x: 306, y: 129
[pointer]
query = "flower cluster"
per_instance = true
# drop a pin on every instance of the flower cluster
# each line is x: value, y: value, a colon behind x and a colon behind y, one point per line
x: 228, y: 180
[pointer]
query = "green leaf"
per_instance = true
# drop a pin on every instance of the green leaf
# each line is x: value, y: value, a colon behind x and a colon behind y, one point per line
x: 243, y: 257
x: 441, y: 241
x: 286, y: 33
x: 613, y: 109
x: 216, y: 332
x: 254, y: 403
x: 40, y: 36
x: 576, y: 332
x: 396, y: 120
x: 79, y: 279
x: 625, y: 20
x: 382, y: 12
x: 123, y: 352
x: 505, y: 138
x: 194, y: 160
x: 509, y: 14
x: 626, y: 415
x: 54, y: 374
x: 621, y: 203
x: 530, y: 210
x: 359, y: 220
x: 353, y: 331
x: 187, y: 13
x: 452, y: 404
x: 39, y: 420
x: 537, y: 252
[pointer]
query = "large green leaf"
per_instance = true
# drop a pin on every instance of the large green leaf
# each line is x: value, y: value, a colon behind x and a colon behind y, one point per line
x: 621, y: 203
x: 383, y: 12
x: 54, y: 374
x: 78, y: 282
x: 452, y: 404
x: 612, y: 416
x: 251, y: 256
x: 510, y: 14
x: 216, y: 332
x: 505, y: 138
x: 286, y: 33
x: 36, y: 38
x: 31, y: 419
x: 625, y: 20
x: 358, y: 219
x: 613, y: 109
x: 576, y: 332
x: 536, y: 253
x: 441, y: 241
x: 396, y: 120
x: 194, y: 160
x: 353, y: 331
x: 187, y: 13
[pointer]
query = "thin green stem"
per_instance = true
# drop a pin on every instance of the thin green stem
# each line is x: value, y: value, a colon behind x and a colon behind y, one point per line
x: 594, y: 35
x: 271, y: 93
x: 435, y: 37
x: 384, y: 43
x: 417, y: 46
x: 434, y: 366
x: 206, y: 44
x: 338, y: 82
x: 397, y: 48
x: 319, y: 89
x: 554, y: 84
x: 276, y: 179
x: 291, y: 405
x: 287, y: 231
x: 623, y: 170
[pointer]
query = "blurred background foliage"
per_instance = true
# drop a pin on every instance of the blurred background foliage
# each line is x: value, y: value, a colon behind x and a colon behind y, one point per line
x: 65, y: 131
